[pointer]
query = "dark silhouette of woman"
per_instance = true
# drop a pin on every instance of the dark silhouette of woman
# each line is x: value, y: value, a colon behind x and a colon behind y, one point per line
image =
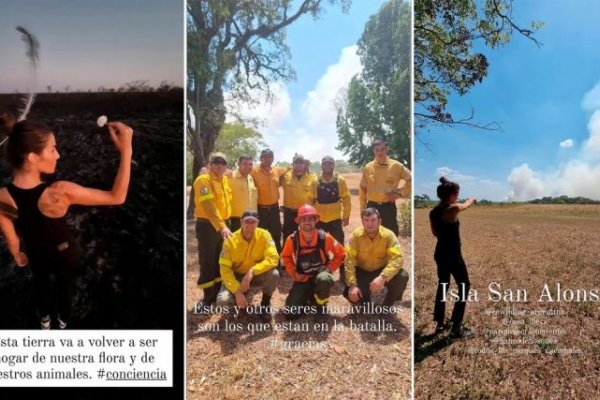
x: 445, y: 226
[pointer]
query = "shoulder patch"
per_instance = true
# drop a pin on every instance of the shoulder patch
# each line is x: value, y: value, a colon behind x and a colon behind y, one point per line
x: 203, y: 190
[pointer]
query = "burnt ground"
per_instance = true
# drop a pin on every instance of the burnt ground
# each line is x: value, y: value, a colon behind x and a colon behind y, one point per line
x: 131, y: 272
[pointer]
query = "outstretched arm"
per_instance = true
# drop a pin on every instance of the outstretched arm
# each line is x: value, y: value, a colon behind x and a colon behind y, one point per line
x: 451, y: 213
x: 121, y: 136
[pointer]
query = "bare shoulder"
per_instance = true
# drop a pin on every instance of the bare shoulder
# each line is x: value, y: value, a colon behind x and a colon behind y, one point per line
x: 64, y: 186
x: 5, y: 197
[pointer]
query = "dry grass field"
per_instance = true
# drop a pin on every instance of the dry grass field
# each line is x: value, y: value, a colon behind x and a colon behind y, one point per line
x: 346, y: 365
x: 518, y: 247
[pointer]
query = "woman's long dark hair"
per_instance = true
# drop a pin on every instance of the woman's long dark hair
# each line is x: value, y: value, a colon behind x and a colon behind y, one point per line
x: 26, y: 137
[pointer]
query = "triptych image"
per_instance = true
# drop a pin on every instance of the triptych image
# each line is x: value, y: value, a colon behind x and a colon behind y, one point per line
x: 307, y: 199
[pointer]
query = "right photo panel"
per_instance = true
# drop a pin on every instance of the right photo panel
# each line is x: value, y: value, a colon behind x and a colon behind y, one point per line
x: 507, y: 199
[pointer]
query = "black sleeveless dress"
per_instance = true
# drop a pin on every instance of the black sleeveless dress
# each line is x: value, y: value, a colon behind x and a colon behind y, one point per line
x: 51, y: 252
x: 447, y: 233
x: 449, y: 260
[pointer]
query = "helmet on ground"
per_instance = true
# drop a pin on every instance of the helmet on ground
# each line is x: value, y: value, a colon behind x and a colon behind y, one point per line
x: 306, y: 210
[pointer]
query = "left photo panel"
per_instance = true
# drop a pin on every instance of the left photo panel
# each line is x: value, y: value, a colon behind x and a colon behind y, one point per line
x: 91, y: 197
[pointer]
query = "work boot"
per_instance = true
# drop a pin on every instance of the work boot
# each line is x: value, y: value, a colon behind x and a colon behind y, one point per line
x: 266, y: 300
x: 265, y: 307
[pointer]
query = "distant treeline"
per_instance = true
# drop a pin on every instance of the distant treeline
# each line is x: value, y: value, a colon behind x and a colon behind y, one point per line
x: 424, y: 201
x: 341, y: 166
x: 564, y: 200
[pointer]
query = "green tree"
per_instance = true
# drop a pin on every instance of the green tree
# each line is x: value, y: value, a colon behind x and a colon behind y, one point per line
x: 236, y: 46
x: 445, y: 59
x: 236, y: 140
x: 377, y: 102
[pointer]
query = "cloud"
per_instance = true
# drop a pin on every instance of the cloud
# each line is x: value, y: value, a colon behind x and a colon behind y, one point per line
x: 591, y: 99
x: 578, y: 176
x: 567, y: 143
x: 318, y: 107
x: 270, y: 113
x: 470, y: 185
x: 307, y: 126
x: 453, y: 175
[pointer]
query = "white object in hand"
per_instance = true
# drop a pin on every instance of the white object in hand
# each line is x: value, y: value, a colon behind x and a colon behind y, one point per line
x: 102, y: 120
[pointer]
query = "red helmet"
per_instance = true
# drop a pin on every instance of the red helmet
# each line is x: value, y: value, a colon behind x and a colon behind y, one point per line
x: 305, y: 210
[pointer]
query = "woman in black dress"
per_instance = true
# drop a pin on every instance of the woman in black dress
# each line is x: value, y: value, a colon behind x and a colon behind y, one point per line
x: 445, y: 226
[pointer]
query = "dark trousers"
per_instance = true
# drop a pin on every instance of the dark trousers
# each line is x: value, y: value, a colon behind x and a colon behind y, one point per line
x: 53, y: 276
x: 334, y: 228
x: 315, y: 291
x: 235, y: 224
x: 289, y: 222
x: 395, y: 287
x: 210, y: 244
x: 269, y: 219
x: 451, y: 265
x: 388, y: 213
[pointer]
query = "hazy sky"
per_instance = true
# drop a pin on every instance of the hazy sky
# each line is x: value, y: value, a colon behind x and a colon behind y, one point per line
x: 548, y: 103
x: 85, y: 44
x: 324, y: 57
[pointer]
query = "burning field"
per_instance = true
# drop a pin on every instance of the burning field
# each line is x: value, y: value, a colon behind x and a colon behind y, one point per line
x: 535, y: 280
x: 369, y: 358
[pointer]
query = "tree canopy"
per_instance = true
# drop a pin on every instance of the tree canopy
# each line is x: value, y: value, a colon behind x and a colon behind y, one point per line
x: 236, y: 140
x: 377, y: 101
x: 447, y: 55
x: 235, y: 46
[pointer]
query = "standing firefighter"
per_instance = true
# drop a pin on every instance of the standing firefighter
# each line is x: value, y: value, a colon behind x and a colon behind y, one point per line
x: 379, y: 185
x: 297, y: 190
x: 332, y: 201
x: 213, y: 207
x: 249, y: 258
x: 266, y: 178
x: 243, y: 192
x: 310, y: 256
x: 374, y: 261
x: 445, y: 226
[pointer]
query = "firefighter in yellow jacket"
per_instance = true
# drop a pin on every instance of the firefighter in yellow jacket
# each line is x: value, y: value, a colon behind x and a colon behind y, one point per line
x: 297, y: 185
x: 243, y: 192
x: 380, y: 185
x: 213, y: 208
x: 374, y: 260
x: 249, y: 258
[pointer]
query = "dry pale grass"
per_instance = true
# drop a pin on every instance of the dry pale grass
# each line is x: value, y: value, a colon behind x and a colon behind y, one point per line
x: 354, y: 365
x: 520, y: 247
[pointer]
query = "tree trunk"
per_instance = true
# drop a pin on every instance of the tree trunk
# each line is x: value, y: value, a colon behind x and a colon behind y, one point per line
x: 210, y: 117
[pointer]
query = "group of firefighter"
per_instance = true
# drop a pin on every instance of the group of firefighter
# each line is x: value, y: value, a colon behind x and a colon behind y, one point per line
x: 242, y: 242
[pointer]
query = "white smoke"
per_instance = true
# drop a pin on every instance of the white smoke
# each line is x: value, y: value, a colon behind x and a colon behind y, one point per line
x: 578, y: 176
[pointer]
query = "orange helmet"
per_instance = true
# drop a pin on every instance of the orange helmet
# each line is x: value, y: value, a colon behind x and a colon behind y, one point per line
x: 305, y: 210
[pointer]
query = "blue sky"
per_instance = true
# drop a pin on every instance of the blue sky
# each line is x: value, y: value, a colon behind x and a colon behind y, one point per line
x: 302, y: 116
x: 548, y: 103
x: 85, y: 44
